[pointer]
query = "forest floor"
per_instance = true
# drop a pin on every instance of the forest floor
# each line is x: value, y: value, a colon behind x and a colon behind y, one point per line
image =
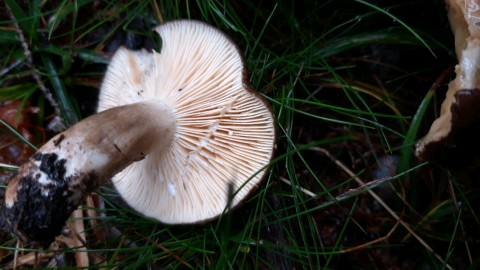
x: 353, y: 85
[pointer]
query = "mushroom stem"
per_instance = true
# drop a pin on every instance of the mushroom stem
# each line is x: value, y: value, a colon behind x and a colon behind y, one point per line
x: 56, y: 179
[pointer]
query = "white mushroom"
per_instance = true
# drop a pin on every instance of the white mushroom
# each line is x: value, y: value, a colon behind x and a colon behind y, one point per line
x: 179, y: 129
x: 223, y: 131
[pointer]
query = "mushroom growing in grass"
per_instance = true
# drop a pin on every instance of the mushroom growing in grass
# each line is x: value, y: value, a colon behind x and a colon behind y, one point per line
x: 453, y: 137
x: 177, y: 130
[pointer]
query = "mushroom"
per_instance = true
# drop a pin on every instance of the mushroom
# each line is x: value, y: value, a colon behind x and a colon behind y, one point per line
x: 181, y: 132
x: 453, y: 138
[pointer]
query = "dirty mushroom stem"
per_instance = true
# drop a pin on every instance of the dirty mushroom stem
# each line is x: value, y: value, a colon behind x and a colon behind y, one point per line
x: 44, y: 192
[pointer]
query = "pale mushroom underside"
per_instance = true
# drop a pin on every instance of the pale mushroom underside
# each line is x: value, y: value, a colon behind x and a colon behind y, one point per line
x: 224, y: 132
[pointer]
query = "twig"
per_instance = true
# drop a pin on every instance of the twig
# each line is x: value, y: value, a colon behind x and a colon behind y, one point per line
x: 94, y: 207
x: 31, y: 258
x: 15, y: 255
x: 79, y: 238
x: 382, y: 203
x: 304, y: 190
x: 29, y: 62
x: 347, y: 194
x: 10, y: 67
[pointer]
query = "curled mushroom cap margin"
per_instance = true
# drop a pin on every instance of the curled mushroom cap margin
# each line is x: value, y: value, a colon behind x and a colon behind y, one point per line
x: 224, y: 132
x: 452, y: 140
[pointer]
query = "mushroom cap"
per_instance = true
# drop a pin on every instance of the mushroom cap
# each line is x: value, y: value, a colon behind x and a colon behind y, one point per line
x: 225, y: 131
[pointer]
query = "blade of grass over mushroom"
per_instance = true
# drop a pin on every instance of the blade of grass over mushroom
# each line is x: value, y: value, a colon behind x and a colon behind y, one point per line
x: 411, y: 135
